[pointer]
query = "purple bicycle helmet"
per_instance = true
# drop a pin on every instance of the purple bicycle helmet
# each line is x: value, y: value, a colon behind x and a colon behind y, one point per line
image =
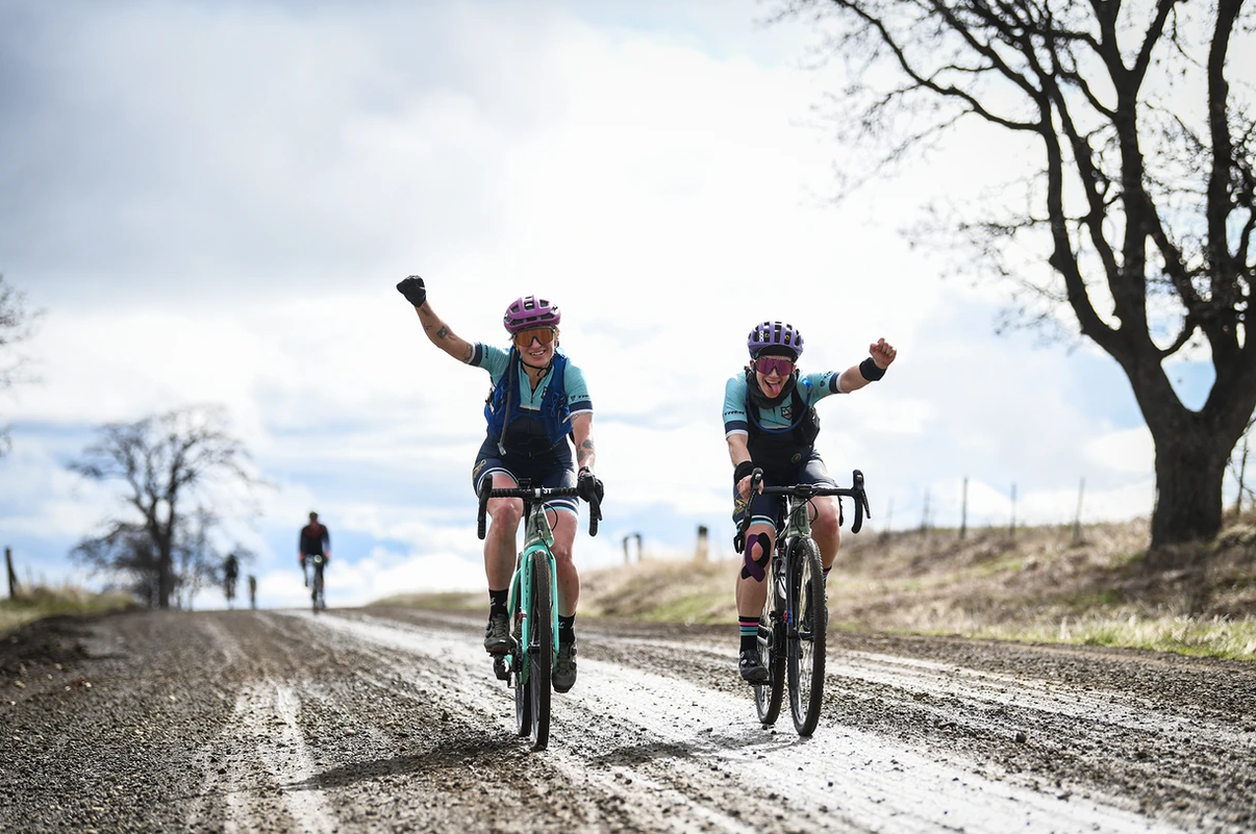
x: 531, y: 311
x: 774, y: 334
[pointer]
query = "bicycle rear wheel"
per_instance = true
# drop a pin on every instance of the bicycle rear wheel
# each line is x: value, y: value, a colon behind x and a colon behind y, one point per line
x: 805, y: 642
x: 767, y: 696
x: 541, y: 652
x: 318, y: 590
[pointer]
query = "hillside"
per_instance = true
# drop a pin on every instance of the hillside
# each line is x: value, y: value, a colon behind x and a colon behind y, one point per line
x: 1041, y: 584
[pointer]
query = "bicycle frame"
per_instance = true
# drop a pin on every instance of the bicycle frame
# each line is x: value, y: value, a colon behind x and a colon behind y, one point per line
x: 538, y: 539
x: 797, y: 524
x: 524, y: 662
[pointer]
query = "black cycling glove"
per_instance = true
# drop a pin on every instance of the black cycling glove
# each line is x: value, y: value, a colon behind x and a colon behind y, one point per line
x: 414, y: 291
x: 589, y: 486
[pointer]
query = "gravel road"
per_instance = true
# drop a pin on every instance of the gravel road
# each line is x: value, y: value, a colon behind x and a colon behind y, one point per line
x: 370, y: 720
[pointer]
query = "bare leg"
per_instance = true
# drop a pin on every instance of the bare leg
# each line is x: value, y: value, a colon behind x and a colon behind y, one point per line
x: 564, y: 525
x: 752, y: 593
x: 824, y: 528
x: 500, y: 543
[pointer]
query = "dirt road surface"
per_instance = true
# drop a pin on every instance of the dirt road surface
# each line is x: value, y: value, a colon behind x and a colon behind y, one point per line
x: 391, y: 720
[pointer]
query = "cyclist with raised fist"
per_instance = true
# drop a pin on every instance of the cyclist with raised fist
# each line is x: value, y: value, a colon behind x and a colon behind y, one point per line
x: 770, y: 423
x: 538, y: 410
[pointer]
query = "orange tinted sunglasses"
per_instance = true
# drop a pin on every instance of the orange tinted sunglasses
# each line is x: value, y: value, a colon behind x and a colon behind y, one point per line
x: 544, y: 335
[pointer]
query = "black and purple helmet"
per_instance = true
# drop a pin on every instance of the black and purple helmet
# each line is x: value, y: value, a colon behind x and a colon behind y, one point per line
x: 774, y: 334
x: 531, y: 311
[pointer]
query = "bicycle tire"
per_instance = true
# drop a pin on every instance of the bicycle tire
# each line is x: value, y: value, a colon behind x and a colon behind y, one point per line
x: 541, y: 652
x: 805, y: 643
x: 318, y: 590
x: 768, y: 696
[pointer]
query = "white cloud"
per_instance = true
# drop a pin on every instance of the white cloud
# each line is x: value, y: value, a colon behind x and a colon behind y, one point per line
x: 232, y: 233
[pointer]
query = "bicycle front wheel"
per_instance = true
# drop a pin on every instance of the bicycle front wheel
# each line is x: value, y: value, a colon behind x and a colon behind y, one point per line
x: 805, y: 641
x: 541, y: 651
x: 768, y: 696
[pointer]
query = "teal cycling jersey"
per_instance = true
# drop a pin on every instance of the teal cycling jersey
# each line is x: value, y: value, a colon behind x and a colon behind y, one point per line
x: 533, y: 422
x: 773, y: 430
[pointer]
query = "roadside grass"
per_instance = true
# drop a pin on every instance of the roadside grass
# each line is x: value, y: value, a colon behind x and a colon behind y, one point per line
x: 439, y: 601
x: 43, y: 601
x: 1097, y: 586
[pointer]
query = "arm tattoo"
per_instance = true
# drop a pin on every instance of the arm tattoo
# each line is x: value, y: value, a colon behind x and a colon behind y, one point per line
x: 443, y: 332
x: 468, y: 354
x: 585, y: 450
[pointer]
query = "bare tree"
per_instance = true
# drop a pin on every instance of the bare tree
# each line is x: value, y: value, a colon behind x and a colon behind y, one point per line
x: 16, y: 320
x: 1238, y: 469
x: 1137, y: 190
x: 200, y: 553
x: 166, y: 462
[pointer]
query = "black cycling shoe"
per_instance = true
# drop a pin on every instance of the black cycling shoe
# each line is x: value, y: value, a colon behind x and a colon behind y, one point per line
x: 564, y: 677
x: 497, y: 634
x: 751, y: 667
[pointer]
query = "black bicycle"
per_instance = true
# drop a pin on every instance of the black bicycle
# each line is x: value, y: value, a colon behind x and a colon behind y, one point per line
x: 795, y: 615
x: 318, y: 561
x: 533, y: 607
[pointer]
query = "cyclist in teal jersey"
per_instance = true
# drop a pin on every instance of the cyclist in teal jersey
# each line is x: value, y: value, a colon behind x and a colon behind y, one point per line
x: 770, y: 423
x: 538, y: 408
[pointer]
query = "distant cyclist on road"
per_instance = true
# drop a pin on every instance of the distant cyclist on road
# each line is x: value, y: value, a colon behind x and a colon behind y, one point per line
x: 252, y: 591
x: 230, y: 573
x: 314, y: 539
x: 539, y: 398
x: 770, y: 423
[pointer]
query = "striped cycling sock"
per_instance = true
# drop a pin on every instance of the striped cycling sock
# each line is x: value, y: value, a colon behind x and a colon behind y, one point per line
x: 749, y: 632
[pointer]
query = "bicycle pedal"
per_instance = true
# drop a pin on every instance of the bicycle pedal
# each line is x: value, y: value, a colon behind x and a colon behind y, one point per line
x: 500, y: 669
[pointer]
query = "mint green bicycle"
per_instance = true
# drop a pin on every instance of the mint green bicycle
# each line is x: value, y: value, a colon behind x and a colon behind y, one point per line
x: 533, y: 607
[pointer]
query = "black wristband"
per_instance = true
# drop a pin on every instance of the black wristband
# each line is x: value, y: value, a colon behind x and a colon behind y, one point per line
x: 582, y: 470
x: 743, y: 470
x: 869, y: 370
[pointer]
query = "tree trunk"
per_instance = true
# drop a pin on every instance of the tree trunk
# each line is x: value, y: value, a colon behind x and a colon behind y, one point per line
x: 165, y: 578
x: 1190, y: 466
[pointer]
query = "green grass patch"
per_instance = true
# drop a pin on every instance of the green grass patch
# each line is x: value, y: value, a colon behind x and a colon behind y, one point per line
x: 41, y: 601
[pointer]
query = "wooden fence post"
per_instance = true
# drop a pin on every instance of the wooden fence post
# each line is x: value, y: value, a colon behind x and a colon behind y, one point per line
x: 963, y: 513
x: 8, y: 562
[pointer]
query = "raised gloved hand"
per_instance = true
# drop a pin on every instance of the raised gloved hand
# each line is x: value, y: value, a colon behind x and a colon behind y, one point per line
x: 589, y: 486
x: 414, y: 291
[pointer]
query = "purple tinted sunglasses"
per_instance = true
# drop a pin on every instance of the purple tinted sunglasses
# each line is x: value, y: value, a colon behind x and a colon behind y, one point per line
x: 779, y: 365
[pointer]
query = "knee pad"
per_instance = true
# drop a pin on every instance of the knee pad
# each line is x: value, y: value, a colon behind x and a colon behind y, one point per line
x: 757, y: 568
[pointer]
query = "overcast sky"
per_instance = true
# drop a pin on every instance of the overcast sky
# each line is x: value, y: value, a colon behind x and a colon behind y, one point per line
x: 213, y: 201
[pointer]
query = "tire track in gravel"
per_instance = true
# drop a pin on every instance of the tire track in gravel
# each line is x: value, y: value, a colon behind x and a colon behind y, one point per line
x: 686, y: 743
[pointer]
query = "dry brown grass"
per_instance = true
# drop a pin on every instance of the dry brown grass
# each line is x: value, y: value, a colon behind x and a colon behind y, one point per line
x: 44, y: 601
x: 1040, y: 584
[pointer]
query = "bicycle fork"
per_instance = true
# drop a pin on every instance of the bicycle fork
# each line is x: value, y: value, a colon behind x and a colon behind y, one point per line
x: 521, y: 617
